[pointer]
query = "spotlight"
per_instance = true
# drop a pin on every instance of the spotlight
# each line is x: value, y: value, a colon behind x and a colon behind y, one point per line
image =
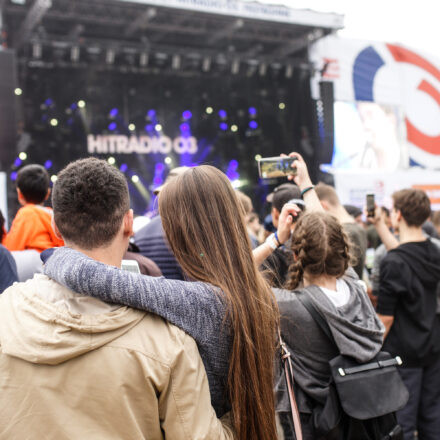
x: 223, y: 126
x: 184, y: 128
x: 18, y: 91
x: 234, y: 128
x: 168, y: 160
x: 48, y: 164
x: 123, y: 168
x: 54, y: 122
x: 111, y: 160
x: 186, y: 115
x: 22, y: 155
x: 81, y: 104
x: 112, y: 126
x: 282, y: 106
x: 135, y: 179
x: 151, y: 113
x: 14, y: 175
x: 253, y: 125
x: 131, y: 127
x: 222, y: 114
x: 53, y: 178
x: 252, y: 111
x: 114, y: 112
x: 209, y: 110
x: 158, y: 127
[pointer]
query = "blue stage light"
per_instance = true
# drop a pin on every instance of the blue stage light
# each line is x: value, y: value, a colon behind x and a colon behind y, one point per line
x: 186, y: 115
x: 14, y: 175
x: 252, y: 111
x: 151, y: 113
x: 48, y: 164
x: 223, y: 126
x: 17, y: 162
x: 114, y: 112
x: 48, y: 102
x: 253, y: 125
x: 222, y: 114
x: 112, y: 126
x: 149, y: 127
x: 123, y: 168
x: 184, y: 128
x: 74, y: 106
x: 233, y: 164
x: 160, y: 167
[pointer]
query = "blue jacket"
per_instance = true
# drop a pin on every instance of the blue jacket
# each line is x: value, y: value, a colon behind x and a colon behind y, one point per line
x: 151, y: 242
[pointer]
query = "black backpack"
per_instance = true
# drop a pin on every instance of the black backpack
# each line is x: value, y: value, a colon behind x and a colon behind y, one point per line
x: 362, y: 399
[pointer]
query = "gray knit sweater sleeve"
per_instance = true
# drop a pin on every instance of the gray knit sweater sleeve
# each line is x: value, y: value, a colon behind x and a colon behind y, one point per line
x: 192, y: 306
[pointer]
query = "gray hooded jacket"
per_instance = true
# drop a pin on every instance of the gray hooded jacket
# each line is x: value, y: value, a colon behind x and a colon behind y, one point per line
x: 356, y: 329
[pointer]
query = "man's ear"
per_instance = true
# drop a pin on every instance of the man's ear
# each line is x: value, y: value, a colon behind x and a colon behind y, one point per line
x: 55, y: 229
x: 21, y: 198
x: 399, y: 216
x: 275, y: 214
x: 47, y: 195
x: 325, y: 205
x: 128, y: 223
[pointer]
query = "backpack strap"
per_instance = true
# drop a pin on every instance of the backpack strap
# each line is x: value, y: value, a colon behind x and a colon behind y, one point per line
x: 286, y: 362
x: 315, y: 314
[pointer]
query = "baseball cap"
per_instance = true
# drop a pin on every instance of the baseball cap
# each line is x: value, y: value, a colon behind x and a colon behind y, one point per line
x: 171, y: 175
x: 284, y: 193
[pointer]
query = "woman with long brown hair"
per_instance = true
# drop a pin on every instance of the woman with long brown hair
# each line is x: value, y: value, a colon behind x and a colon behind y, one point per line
x: 228, y: 309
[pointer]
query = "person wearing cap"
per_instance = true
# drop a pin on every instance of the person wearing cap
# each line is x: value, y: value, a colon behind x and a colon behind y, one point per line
x: 151, y: 239
x: 276, y: 266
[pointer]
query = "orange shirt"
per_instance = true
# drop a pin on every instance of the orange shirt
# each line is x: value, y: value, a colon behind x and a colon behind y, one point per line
x: 32, y: 229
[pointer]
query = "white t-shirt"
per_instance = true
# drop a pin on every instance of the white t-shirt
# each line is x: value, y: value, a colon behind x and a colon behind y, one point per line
x: 340, y: 296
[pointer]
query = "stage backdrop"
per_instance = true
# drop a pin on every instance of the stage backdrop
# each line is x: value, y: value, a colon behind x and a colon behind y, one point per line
x: 390, y: 75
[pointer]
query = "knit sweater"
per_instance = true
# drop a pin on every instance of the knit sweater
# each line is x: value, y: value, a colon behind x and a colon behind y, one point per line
x: 195, y: 307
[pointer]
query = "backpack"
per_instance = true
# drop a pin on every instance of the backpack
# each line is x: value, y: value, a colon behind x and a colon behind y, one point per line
x: 362, y: 398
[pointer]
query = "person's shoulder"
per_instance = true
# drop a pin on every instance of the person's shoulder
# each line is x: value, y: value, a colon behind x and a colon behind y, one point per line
x: 156, y: 339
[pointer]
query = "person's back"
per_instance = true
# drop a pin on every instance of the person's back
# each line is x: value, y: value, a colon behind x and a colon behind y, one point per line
x: 75, y: 367
x: 152, y: 244
x: 31, y: 227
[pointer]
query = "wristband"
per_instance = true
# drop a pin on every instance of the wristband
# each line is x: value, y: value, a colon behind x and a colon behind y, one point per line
x: 271, y: 242
x: 276, y: 238
x: 307, y: 189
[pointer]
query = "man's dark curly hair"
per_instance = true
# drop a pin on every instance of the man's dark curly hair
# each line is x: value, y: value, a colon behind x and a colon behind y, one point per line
x: 90, y: 199
x: 414, y: 205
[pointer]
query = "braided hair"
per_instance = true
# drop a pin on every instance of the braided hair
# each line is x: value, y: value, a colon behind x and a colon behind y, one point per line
x: 320, y: 246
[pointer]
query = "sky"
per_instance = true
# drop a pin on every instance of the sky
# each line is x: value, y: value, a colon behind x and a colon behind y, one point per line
x: 412, y: 23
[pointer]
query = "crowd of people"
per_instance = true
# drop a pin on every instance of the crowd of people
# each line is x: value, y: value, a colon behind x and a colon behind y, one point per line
x: 189, y: 347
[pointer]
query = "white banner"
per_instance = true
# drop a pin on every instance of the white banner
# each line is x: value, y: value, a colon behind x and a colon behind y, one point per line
x: 253, y: 10
x: 4, y: 197
x: 387, y: 74
x: 352, y: 187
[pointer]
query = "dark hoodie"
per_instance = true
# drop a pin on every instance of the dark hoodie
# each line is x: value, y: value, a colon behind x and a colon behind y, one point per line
x: 409, y: 277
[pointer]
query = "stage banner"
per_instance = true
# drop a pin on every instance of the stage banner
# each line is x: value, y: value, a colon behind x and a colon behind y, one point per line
x: 4, y: 197
x: 352, y: 187
x: 389, y: 75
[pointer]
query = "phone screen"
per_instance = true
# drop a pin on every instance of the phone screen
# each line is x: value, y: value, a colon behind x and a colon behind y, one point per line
x: 370, y: 205
x: 130, y: 266
x: 272, y: 167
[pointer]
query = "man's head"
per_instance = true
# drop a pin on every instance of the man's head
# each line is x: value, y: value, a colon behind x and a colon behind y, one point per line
x: 33, y: 184
x: 280, y: 196
x: 175, y: 172
x: 410, y: 206
x: 327, y: 196
x: 91, y: 204
x: 356, y: 213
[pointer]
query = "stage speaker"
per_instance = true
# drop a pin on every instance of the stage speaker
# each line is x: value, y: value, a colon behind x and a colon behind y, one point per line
x: 326, y: 121
x: 8, y: 130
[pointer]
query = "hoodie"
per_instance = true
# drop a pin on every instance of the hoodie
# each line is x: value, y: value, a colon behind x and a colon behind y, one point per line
x: 32, y: 229
x: 356, y: 329
x: 74, y: 367
x: 409, y: 280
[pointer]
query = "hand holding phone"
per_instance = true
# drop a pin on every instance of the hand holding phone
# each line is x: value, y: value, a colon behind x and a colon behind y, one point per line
x: 371, y: 205
x: 271, y: 167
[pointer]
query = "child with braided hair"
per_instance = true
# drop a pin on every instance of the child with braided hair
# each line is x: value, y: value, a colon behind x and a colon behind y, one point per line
x: 321, y: 270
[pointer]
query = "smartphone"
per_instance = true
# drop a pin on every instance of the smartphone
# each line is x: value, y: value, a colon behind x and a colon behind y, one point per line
x: 130, y: 266
x: 270, y: 167
x: 371, y: 205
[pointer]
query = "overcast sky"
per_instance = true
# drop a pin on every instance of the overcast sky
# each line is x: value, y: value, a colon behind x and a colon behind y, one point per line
x: 412, y: 23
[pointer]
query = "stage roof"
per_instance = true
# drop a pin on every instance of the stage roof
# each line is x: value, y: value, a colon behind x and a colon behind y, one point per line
x: 177, y: 33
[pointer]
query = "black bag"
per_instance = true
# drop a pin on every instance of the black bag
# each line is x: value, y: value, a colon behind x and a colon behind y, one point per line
x: 362, y: 399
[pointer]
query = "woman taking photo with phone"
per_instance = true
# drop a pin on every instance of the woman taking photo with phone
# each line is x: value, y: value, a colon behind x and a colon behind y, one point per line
x: 227, y: 308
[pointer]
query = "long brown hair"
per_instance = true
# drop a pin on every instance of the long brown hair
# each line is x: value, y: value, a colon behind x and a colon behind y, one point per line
x: 204, y: 225
x: 320, y: 246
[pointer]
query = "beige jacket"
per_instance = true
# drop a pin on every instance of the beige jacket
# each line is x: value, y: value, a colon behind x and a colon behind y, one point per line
x: 73, y: 367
